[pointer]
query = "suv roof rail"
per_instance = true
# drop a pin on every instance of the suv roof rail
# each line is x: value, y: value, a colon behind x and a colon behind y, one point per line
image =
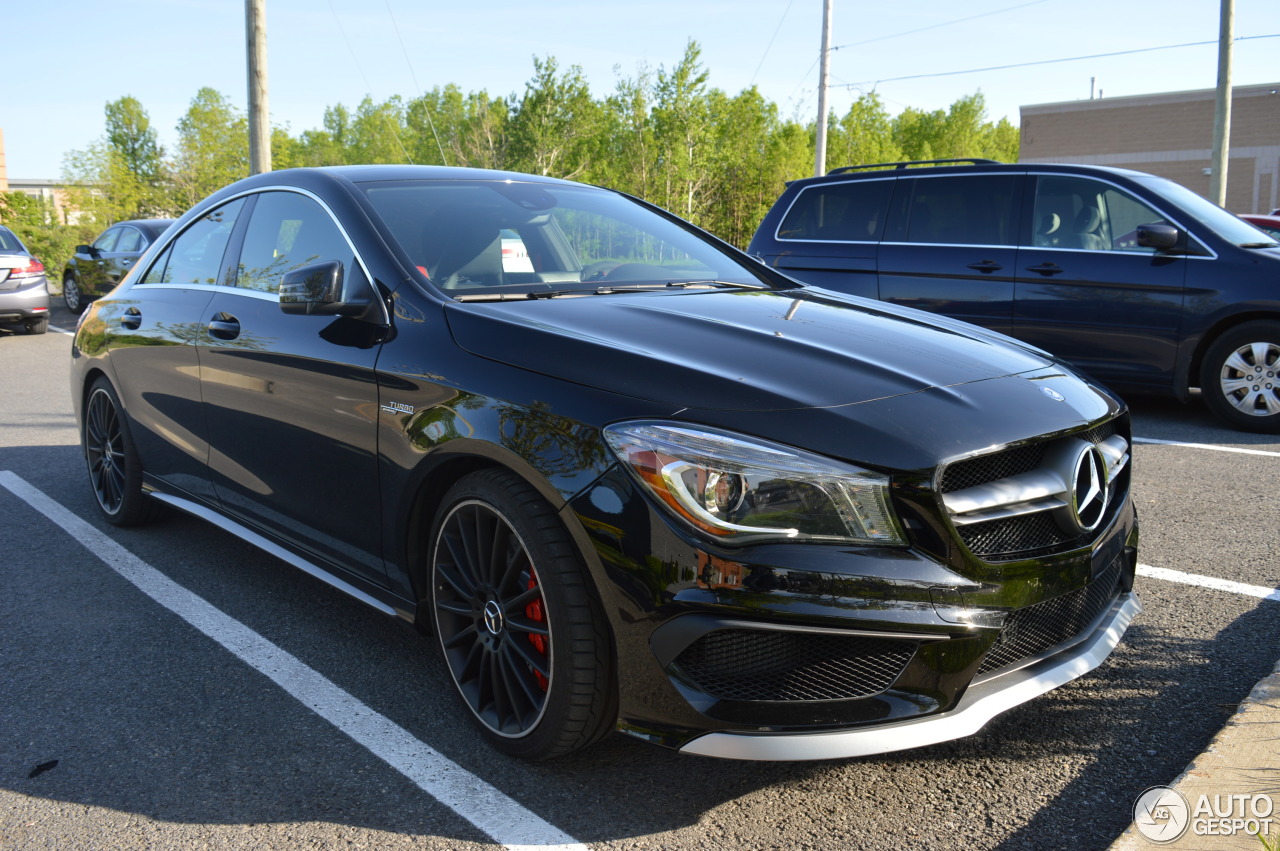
x: 846, y: 168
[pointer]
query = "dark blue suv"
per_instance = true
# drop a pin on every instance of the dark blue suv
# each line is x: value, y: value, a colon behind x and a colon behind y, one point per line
x: 1134, y: 278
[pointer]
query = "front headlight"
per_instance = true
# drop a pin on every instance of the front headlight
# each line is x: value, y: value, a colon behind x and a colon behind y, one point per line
x: 740, y: 490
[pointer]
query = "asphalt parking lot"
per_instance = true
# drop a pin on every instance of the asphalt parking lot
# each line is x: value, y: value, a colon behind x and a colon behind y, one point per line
x: 172, y: 687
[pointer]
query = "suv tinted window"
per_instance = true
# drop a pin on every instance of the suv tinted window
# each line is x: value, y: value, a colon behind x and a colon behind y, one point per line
x: 840, y: 212
x: 978, y: 209
x: 1076, y: 212
x: 287, y: 231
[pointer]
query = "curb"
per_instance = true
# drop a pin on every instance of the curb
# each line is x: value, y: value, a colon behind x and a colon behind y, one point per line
x: 1243, y: 759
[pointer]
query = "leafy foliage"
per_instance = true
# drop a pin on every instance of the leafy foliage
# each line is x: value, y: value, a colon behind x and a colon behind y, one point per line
x: 667, y: 136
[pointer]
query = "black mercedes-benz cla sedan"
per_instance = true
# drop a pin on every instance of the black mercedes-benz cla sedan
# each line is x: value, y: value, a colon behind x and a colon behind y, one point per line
x: 626, y: 476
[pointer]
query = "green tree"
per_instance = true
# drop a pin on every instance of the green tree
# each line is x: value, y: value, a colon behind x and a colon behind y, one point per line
x: 213, y: 147
x: 552, y: 129
x: 681, y: 126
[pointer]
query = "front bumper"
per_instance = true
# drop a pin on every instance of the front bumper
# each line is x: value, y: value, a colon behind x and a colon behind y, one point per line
x: 982, y: 701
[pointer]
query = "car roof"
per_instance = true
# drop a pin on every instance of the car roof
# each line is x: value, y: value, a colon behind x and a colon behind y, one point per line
x: 963, y: 167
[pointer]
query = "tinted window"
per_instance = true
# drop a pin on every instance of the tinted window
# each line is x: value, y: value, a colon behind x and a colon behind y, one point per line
x: 287, y: 231
x: 107, y: 242
x: 130, y: 240
x: 1076, y: 212
x: 846, y: 212
x: 9, y: 242
x: 195, y: 257
x: 963, y: 210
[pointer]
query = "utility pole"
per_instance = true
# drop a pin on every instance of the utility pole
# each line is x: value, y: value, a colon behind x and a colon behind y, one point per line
x: 1222, y: 110
x: 824, y: 75
x: 255, y: 12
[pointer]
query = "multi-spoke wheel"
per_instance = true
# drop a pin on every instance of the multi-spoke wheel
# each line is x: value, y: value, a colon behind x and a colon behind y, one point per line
x: 1240, y: 376
x: 71, y: 294
x: 114, y: 470
x: 523, y: 637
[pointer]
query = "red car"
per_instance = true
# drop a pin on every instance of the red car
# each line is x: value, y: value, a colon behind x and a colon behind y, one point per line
x: 1270, y: 225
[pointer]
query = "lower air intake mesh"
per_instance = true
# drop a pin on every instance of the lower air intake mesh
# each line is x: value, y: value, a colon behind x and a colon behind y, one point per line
x: 758, y: 664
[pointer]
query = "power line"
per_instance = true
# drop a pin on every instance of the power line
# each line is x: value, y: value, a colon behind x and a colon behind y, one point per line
x: 426, y: 109
x: 769, y: 46
x: 368, y: 88
x: 944, y: 24
x: 1047, y: 61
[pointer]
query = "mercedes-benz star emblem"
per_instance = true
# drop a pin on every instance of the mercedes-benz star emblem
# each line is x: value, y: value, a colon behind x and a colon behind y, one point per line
x: 1089, y: 489
x: 493, y: 617
x: 1052, y: 394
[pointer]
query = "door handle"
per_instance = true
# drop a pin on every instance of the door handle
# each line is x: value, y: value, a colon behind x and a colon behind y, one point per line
x: 986, y: 266
x: 1046, y: 269
x: 132, y: 319
x: 224, y: 326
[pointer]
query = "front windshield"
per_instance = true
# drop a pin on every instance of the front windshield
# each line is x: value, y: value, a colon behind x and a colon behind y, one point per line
x: 1234, y: 230
x: 476, y: 237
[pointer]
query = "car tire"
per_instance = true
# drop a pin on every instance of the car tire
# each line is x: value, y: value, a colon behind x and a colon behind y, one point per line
x: 115, y: 472
x: 522, y: 635
x: 37, y: 326
x: 71, y: 295
x: 1240, y: 376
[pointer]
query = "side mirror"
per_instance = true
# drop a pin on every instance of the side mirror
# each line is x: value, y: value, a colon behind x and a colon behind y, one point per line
x: 1159, y: 237
x: 85, y: 249
x: 317, y: 290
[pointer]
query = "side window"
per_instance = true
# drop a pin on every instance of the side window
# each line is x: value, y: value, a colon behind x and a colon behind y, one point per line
x: 130, y: 240
x: 287, y: 231
x: 107, y: 242
x: 1123, y: 214
x: 841, y: 212
x: 195, y: 257
x: 1076, y: 212
x: 975, y: 209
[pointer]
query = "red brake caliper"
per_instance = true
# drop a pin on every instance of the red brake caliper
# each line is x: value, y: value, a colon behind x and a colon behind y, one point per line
x: 534, y: 612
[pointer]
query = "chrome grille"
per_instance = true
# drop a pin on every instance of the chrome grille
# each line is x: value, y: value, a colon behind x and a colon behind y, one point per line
x: 772, y: 665
x: 1029, y: 500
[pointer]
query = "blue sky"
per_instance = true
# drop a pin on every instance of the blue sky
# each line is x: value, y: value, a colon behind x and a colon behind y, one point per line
x: 65, y: 59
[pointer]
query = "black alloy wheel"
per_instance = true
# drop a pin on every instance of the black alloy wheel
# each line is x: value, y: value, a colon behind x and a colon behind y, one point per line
x: 522, y: 636
x: 114, y: 469
x: 1240, y: 376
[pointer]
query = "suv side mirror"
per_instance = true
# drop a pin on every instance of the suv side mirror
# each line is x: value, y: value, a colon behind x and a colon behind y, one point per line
x: 317, y: 290
x: 1159, y: 237
x: 87, y: 250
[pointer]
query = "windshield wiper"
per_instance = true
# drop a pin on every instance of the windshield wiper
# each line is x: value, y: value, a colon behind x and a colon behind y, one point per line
x: 606, y: 290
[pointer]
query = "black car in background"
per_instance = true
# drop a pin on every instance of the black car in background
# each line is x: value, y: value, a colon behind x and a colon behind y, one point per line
x: 24, y: 289
x: 95, y: 269
x: 1133, y: 278
x: 636, y: 480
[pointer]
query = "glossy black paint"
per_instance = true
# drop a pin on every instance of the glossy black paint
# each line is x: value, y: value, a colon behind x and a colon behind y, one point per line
x: 96, y: 270
x: 336, y: 437
x: 1136, y: 321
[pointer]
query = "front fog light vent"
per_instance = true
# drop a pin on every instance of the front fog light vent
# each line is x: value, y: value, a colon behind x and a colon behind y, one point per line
x: 766, y: 665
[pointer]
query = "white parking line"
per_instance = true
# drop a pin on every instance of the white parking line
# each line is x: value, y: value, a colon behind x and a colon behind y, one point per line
x: 481, y: 804
x: 1262, y: 591
x: 1207, y: 446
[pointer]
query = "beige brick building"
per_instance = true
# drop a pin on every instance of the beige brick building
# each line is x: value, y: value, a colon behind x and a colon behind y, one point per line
x: 1167, y: 134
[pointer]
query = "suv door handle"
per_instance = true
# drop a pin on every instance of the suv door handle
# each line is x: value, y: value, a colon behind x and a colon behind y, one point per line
x: 224, y: 326
x: 132, y: 319
x: 986, y: 266
x: 1046, y: 269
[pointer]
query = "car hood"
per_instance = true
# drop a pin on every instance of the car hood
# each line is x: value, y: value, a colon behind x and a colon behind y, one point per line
x: 741, y: 350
